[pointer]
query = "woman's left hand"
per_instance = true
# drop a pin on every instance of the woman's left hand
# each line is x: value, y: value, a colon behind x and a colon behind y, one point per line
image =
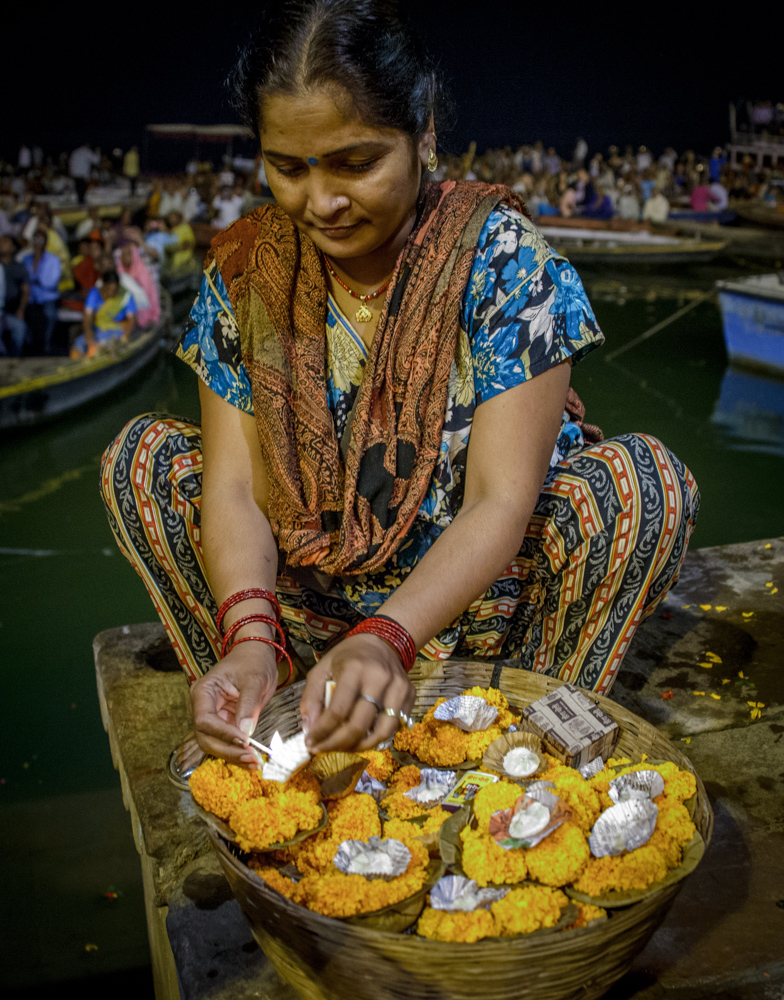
x: 370, y: 679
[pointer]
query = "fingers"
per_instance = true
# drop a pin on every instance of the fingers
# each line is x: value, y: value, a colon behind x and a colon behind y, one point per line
x: 348, y: 717
x: 400, y: 696
x: 312, y: 701
x: 225, y: 712
x: 254, y: 695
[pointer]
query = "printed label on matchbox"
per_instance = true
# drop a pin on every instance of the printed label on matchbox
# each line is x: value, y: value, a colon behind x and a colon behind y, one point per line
x: 466, y: 789
x: 573, y: 728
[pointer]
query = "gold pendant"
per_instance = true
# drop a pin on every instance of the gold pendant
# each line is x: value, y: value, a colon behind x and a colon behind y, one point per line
x: 364, y: 315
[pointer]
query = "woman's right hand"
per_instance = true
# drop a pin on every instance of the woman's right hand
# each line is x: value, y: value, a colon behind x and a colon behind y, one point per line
x: 228, y: 700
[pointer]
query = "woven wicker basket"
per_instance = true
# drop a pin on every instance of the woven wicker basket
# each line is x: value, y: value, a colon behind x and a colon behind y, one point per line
x: 326, y: 959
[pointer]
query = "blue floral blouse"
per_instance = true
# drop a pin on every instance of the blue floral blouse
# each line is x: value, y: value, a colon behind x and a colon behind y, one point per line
x: 524, y: 311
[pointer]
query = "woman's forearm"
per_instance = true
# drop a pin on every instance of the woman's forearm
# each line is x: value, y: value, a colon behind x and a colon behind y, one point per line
x: 239, y: 549
x: 469, y: 556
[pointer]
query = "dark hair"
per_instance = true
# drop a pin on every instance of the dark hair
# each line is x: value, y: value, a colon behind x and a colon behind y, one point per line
x: 111, y: 278
x: 362, y: 46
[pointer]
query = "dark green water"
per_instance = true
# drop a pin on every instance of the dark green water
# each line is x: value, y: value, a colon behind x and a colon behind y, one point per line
x: 62, y: 579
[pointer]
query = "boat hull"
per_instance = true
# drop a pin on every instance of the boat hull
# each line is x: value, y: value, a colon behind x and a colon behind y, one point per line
x: 753, y: 328
x: 44, y: 391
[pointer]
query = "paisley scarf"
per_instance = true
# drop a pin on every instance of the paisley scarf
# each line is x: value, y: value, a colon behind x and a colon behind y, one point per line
x: 346, y: 510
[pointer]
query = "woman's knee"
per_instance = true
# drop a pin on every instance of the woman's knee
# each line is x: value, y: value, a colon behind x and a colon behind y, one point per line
x: 144, y: 449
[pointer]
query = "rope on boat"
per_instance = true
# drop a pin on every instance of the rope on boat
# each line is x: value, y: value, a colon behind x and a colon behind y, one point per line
x: 660, y: 326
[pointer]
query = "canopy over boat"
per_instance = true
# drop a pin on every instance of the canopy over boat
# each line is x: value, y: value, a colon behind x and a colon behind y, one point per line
x: 201, y: 133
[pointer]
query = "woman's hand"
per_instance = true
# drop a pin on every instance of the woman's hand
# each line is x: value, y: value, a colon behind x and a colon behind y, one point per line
x: 228, y: 700
x: 368, y: 672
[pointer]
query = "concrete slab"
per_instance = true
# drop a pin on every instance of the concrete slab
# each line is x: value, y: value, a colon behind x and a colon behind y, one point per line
x: 722, y: 937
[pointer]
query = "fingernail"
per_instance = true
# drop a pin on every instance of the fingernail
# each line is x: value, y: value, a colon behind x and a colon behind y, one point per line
x: 239, y: 743
x: 246, y: 726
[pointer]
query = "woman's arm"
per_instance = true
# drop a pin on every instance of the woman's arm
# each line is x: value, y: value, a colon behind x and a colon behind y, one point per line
x: 511, y: 443
x: 239, y: 553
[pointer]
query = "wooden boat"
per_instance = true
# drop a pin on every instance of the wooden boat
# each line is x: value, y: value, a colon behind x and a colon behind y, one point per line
x: 639, y: 246
x: 614, y: 225
x: 183, y: 283
x: 35, y: 390
x: 753, y: 313
x: 760, y: 215
x: 721, y: 218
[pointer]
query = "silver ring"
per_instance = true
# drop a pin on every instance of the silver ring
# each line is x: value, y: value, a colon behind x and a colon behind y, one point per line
x: 366, y: 697
x: 400, y: 715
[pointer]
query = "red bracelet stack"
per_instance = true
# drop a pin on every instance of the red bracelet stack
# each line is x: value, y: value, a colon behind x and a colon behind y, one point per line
x: 229, y: 642
x: 390, y: 631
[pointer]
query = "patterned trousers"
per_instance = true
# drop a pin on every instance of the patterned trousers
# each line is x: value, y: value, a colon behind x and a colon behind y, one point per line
x: 604, y: 545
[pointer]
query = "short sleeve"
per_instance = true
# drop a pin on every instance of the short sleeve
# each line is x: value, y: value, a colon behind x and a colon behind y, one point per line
x: 210, y: 344
x: 525, y: 308
x: 93, y: 300
x: 128, y: 309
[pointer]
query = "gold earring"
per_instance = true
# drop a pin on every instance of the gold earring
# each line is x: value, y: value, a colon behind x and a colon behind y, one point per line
x: 432, y: 161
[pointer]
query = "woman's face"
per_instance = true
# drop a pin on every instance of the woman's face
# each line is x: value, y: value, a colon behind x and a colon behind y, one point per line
x: 351, y: 187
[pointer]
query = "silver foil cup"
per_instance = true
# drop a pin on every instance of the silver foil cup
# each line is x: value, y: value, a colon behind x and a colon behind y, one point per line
x: 589, y: 770
x: 374, y: 858
x: 455, y: 892
x: 367, y: 785
x: 636, y: 785
x: 467, y: 712
x: 287, y: 757
x: 623, y: 827
x: 433, y: 786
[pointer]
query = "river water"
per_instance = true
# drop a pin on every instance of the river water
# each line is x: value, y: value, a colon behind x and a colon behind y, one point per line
x: 63, y: 580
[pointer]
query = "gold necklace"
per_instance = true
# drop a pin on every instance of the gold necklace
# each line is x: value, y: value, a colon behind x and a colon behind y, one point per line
x: 363, y: 314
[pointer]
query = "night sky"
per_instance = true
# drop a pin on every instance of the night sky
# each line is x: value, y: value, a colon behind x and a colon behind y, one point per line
x: 659, y: 74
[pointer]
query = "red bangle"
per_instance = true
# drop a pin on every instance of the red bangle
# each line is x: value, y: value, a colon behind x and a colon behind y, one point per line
x: 280, y: 649
x: 392, y: 632
x: 245, y: 595
x: 234, y: 629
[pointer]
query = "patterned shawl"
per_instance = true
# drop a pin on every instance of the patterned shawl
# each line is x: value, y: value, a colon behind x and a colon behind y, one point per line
x: 345, y: 507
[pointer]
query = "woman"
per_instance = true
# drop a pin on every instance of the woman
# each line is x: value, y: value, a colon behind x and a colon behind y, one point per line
x: 351, y: 341
x: 109, y: 314
x: 130, y: 265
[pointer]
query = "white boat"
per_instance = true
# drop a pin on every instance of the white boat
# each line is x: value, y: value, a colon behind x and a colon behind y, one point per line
x: 753, y: 313
x: 637, y: 246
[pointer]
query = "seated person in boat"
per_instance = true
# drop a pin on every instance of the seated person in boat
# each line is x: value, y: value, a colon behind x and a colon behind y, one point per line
x: 44, y: 270
x: 109, y: 314
x: 85, y: 268
x: 14, y: 296
x: 179, y: 255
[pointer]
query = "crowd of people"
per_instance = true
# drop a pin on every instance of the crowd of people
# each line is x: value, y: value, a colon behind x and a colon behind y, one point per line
x: 106, y: 269
x: 631, y: 185
x: 109, y: 270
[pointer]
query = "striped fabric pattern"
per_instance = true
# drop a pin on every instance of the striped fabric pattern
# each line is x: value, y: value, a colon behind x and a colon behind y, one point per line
x: 605, y: 544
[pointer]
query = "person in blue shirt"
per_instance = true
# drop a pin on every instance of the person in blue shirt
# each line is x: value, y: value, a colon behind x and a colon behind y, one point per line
x: 109, y: 313
x: 44, y: 269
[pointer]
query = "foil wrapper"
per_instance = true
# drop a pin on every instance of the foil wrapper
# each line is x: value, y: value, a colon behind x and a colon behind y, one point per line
x: 589, y: 770
x: 368, y: 785
x: 521, y: 762
x: 374, y: 858
x: 623, y: 827
x: 542, y: 812
x: 467, y: 712
x: 433, y: 787
x: 455, y: 892
x: 636, y: 785
x: 287, y: 757
x: 538, y: 786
